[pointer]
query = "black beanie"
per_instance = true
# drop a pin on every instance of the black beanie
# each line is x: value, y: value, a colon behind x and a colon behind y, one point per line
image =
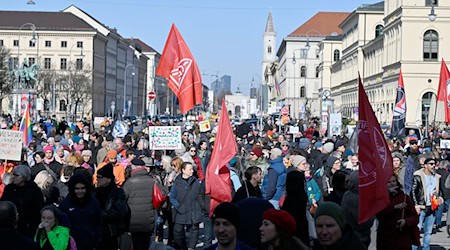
x: 106, y: 171
x: 227, y: 211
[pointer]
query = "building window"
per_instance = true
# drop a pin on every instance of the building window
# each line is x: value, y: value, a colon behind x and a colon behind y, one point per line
x: 269, y: 49
x: 303, y: 53
x: 46, y: 105
x: 428, y: 2
x: 317, y: 71
x: 379, y: 29
x: 48, y: 44
x: 1, y: 43
x: 47, y: 63
x: 16, y: 43
x: 13, y: 63
x: 303, y: 71
x: 79, y: 63
x: 336, y: 55
x: 47, y: 86
x: 62, y: 105
x: 302, y: 91
x: 31, y: 60
x: 63, y: 44
x: 430, y: 45
x: 317, y: 53
x: 79, y: 44
x: 32, y: 43
x: 63, y: 63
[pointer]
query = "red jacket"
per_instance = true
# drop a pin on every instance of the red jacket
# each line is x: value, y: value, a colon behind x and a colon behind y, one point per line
x: 200, y: 174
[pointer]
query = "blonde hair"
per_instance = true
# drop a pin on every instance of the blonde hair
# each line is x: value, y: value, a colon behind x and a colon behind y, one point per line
x: 74, y: 159
x: 43, y: 179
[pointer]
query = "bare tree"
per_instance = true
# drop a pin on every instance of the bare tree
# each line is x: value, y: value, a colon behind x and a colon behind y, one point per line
x: 6, y: 81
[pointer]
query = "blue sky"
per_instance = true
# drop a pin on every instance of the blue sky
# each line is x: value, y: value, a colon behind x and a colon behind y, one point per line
x: 224, y: 36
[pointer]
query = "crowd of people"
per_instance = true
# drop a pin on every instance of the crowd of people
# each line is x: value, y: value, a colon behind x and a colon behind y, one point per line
x: 83, y: 188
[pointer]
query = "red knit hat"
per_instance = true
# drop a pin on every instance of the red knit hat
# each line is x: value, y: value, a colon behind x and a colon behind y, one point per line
x: 257, y: 151
x: 282, y: 219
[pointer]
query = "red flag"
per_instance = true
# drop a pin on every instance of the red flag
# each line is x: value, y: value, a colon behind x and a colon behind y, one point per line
x: 178, y: 65
x: 444, y: 90
x: 218, y: 181
x: 376, y: 161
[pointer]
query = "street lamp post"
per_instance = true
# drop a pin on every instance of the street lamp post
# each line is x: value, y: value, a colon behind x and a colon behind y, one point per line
x: 33, y: 40
x: 125, y: 88
x: 260, y: 101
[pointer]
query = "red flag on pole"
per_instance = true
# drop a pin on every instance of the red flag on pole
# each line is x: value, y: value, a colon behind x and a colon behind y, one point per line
x: 375, y: 161
x: 218, y: 181
x: 178, y: 65
x: 444, y: 90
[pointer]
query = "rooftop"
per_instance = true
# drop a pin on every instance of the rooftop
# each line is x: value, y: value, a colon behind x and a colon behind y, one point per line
x: 321, y: 24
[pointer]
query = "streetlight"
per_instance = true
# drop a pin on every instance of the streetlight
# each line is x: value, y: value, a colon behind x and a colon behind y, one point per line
x: 432, y: 15
x: 260, y: 100
x: 33, y: 40
x: 125, y: 88
x: 294, y: 61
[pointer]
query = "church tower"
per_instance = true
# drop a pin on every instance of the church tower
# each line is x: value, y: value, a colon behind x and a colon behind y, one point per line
x: 270, y: 37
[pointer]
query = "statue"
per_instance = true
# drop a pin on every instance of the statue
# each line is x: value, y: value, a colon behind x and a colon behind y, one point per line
x: 26, y: 75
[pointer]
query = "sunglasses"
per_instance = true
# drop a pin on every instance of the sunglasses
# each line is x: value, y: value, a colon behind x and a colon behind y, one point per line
x: 193, y: 151
x: 431, y: 163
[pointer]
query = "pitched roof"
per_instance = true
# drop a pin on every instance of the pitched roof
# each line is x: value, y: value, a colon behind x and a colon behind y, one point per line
x: 145, y: 47
x: 269, y: 24
x: 321, y: 24
x: 372, y: 7
x: 13, y: 20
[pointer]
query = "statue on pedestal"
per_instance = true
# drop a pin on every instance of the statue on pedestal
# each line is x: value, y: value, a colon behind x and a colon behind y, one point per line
x: 26, y: 75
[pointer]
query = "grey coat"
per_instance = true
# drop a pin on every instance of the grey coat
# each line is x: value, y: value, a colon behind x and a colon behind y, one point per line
x: 138, y: 190
x: 184, y: 197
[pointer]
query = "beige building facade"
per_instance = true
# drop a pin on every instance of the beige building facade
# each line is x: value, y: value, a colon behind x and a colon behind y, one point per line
x: 378, y: 41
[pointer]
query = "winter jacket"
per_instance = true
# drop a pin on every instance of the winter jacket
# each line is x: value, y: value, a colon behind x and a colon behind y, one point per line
x: 29, y: 201
x: 84, y: 215
x: 115, y: 211
x: 274, y: 181
x: 184, y: 197
x: 12, y: 240
x: 350, y: 205
x: 312, y: 190
x: 247, y: 190
x: 119, y: 173
x: 139, y: 190
x: 419, y: 188
x: 445, y: 192
x: 55, y: 239
x: 389, y: 236
x: 204, y: 157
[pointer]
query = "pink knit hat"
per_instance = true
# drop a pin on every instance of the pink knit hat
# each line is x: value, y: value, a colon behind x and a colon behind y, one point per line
x: 48, y: 148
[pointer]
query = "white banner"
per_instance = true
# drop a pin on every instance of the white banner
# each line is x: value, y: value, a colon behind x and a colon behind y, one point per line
x: 165, y: 137
x: 10, y: 144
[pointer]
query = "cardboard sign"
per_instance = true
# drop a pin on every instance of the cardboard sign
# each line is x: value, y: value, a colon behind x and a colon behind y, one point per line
x: 445, y: 144
x: 98, y: 121
x: 10, y: 144
x: 294, y: 130
x: 165, y: 137
x: 205, y: 126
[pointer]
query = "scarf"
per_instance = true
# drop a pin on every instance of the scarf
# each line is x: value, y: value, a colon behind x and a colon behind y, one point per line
x: 48, y: 161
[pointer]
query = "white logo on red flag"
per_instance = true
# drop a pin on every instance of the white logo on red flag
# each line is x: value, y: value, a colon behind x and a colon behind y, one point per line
x: 178, y: 74
x: 448, y: 93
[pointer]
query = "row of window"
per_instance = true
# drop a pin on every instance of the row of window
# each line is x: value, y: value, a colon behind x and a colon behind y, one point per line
x: 48, y: 44
x: 303, y: 70
x: 13, y: 63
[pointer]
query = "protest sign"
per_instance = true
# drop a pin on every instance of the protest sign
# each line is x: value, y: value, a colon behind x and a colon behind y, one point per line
x: 165, y: 137
x: 10, y: 144
x: 205, y: 126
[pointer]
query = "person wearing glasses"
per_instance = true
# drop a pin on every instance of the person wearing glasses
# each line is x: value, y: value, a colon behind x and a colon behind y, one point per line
x: 425, y: 191
x: 27, y: 197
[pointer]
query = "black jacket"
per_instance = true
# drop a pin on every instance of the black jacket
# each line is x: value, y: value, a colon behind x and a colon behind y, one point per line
x: 418, y: 188
x: 241, y: 193
x: 12, y: 240
x: 115, y: 211
x: 29, y: 200
x: 445, y: 192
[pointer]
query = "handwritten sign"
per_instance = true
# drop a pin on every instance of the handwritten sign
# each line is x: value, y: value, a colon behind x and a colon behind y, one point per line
x: 165, y: 137
x: 10, y: 144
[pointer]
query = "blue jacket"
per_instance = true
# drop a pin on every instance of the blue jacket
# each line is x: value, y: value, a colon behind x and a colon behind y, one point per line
x: 274, y: 181
x: 312, y: 190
